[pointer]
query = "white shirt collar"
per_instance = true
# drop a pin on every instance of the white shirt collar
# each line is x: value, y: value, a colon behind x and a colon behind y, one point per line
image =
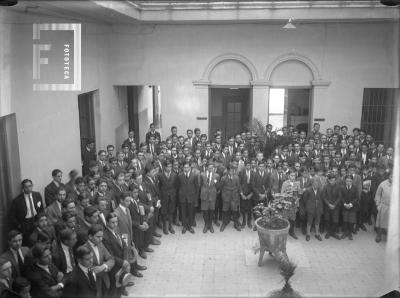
x: 83, y: 268
x: 123, y: 208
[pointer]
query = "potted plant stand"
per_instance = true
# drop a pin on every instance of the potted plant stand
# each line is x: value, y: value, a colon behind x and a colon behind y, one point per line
x: 272, y: 240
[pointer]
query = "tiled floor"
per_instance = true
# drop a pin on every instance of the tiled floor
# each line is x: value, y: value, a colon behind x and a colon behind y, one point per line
x: 224, y: 265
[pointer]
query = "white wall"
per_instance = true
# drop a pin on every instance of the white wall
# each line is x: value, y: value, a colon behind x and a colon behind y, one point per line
x: 351, y: 56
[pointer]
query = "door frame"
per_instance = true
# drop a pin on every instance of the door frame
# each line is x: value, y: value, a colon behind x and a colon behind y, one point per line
x: 310, y: 104
x: 250, y: 107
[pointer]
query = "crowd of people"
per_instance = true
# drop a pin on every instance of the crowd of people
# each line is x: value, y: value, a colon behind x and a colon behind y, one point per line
x: 86, y: 238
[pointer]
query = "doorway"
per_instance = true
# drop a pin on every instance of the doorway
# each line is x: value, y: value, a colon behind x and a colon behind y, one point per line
x: 290, y: 106
x: 229, y: 110
x: 86, y: 118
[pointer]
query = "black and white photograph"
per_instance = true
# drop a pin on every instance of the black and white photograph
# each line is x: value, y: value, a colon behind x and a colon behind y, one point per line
x: 202, y: 149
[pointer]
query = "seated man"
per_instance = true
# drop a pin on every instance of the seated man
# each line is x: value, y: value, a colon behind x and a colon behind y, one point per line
x: 16, y: 253
x: 47, y: 281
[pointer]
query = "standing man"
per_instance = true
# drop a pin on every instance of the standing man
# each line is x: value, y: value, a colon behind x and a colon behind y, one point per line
x: 261, y: 184
x: 350, y: 203
x: 382, y: 200
x: 88, y: 154
x: 246, y: 195
x: 168, y: 182
x: 230, y: 189
x: 152, y: 133
x: 208, y: 193
x: 54, y: 210
x: 188, y: 190
x: 24, y: 208
x: 50, y: 191
x: 331, y: 195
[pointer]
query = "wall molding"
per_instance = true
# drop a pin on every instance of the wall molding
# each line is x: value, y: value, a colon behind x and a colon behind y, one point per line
x: 205, y: 78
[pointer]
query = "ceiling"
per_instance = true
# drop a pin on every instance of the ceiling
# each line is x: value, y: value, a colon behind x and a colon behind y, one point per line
x: 208, y: 12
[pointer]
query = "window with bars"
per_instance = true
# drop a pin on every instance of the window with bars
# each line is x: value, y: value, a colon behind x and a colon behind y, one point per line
x: 378, y: 114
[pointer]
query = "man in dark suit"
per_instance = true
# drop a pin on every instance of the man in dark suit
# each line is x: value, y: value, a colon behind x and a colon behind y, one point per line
x: 313, y: 205
x: 209, y: 184
x: 88, y: 154
x: 24, y: 208
x: 63, y: 256
x: 261, y: 184
x: 230, y: 190
x: 81, y: 283
x: 331, y: 195
x: 50, y: 191
x: 152, y: 133
x: 54, y: 210
x: 47, y: 281
x: 188, y: 189
x: 151, y: 185
x: 246, y: 194
x: 350, y: 200
x: 168, y: 182
x: 16, y: 253
x: 42, y: 228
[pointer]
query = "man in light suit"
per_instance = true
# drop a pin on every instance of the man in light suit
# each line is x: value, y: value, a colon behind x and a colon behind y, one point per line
x: 103, y: 262
x: 53, y: 211
x: 209, y: 183
x: 24, y: 208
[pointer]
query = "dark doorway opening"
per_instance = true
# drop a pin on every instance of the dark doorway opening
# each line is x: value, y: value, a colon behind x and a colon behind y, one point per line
x: 86, y: 118
x: 229, y: 110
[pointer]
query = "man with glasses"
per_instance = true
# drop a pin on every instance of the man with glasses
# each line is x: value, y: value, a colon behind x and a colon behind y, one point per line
x: 24, y: 208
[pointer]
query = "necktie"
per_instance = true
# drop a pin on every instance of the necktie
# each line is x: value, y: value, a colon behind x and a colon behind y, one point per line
x: 118, y: 238
x: 20, y: 261
x: 91, y: 278
x: 209, y: 178
x: 248, y: 177
x: 33, y: 210
x: 71, y: 257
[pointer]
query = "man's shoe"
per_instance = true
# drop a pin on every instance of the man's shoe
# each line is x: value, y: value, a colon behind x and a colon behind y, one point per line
x: 216, y: 223
x: 171, y: 229
x: 155, y: 234
x: 350, y: 236
x: 191, y: 230
x: 293, y: 235
x: 184, y: 230
x: 243, y: 224
x: 222, y: 228
x: 148, y: 249
x: 194, y: 223
x: 205, y: 229
x: 249, y: 224
x: 336, y: 236
x: 140, y: 267
x: 142, y: 254
x: 155, y: 242
x: 327, y: 236
x: 237, y: 227
x: 318, y: 237
x: 344, y: 235
x: 124, y: 292
x: 165, y: 230
x: 303, y: 231
x: 307, y: 237
x: 136, y: 273
x: 362, y: 227
x: 211, y: 229
x: 378, y: 238
x: 177, y: 223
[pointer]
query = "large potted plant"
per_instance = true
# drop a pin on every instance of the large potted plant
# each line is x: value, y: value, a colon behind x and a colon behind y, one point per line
x: 273, y: 226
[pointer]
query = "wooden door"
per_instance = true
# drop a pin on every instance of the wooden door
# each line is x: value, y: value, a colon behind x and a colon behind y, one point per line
x: 236, y: 114
x: 86, y: 118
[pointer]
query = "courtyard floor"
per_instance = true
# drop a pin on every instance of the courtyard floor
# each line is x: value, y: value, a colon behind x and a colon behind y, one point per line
x: 225, y: 265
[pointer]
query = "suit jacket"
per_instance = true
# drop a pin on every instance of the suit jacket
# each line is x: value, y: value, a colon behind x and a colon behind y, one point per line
x: 50, y: 192
x: 150, y: 184
x: 188, y: 187
x: 246, y: 188
x: 261, y: 184
x: 104, y: 258
x: 8, y: 255
x: 49, y: 232
x: 124, y: 224
x: 19, y: 209
x: 208, y: 191
x: 350, y: 196
x: 274, y: 179
x: 332, y: 194
x: 59, y: 259
x: 53, y: 212
x: 313, y: 203
x: 79, y: 286
x: 168, y: 186
x: 155, y: 134
x: 41, y: 281
x: 230, y: 188
x: 119, y: 250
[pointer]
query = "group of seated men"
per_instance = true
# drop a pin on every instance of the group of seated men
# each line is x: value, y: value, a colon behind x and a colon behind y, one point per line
x: 86, y: 237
